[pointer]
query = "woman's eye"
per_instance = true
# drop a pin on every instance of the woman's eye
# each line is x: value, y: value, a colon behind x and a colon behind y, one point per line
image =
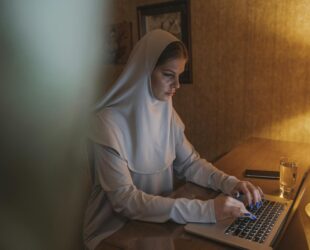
x: 168, y: 75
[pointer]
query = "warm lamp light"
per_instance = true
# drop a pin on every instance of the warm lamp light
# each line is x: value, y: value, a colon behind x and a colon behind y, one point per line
x: 294, y: 128
x: 307, y: 208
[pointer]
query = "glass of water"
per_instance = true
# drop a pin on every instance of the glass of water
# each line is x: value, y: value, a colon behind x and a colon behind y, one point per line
x: 288, y: 175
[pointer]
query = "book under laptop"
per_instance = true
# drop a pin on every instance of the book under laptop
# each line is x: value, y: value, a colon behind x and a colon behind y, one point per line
x: 263, y: 233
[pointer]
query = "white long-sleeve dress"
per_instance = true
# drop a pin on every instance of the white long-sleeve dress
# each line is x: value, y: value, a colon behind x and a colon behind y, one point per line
x: 120, y: 193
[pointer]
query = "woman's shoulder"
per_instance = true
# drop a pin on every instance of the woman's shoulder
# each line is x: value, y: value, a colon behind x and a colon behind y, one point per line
x: 177, y: 121
x: 108, y: 116
x: 105, y: 129
x: 106, y: 121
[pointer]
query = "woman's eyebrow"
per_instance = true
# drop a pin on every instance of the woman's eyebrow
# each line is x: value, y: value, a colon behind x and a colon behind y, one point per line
x: 170, y: 71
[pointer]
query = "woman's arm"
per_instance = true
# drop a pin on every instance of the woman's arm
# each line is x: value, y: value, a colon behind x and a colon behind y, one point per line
x: 190, y: 166
x: 115, y: 179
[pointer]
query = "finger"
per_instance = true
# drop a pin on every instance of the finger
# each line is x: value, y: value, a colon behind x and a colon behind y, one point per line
x: 233, y: 204
x: 236, y: 212
x: 236, y: 202
x: 255, y: 193
x: 238, y: 209
x: 258, y: 192
x: 261, y: 192
x: 243, y: 209
x: 249, y: 215
x: 236, y: 194
x: 247, y: 193
x: 245, y: 213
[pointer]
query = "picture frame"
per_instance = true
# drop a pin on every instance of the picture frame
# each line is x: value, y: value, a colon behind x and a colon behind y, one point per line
x: 174, y: 17
x: 118, y: 43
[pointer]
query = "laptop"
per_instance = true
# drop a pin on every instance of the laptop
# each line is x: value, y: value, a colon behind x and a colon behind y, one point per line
x: 264, y: 233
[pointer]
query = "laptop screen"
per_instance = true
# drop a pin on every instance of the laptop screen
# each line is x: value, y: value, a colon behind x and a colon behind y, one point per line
x: 298, y: 196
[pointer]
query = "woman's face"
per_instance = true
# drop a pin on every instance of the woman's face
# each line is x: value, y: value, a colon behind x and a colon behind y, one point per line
x: 165, y: 78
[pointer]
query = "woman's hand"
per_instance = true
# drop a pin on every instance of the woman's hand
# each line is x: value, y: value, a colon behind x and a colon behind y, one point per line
x: 253, y: 194
x: 226, y: 206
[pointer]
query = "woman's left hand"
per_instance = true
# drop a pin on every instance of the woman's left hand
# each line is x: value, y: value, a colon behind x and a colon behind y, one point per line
x: 253, y: 194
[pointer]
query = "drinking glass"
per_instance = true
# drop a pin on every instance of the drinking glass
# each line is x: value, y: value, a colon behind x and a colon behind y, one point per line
x: 288, y: 175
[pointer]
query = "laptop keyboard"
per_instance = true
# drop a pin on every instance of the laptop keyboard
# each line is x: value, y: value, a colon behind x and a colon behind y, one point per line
x: 257, y: 230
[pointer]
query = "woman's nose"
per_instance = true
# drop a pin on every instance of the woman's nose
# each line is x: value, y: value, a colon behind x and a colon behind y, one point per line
x: 177, y: 83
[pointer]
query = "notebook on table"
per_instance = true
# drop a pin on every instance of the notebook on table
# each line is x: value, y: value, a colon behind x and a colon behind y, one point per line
x: 264, y: 233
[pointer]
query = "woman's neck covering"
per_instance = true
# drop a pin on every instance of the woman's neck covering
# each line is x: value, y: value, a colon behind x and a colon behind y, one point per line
x: 130, y: 119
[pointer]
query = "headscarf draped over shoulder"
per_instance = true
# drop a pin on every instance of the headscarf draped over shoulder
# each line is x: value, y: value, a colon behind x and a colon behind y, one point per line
x: 130, y: 120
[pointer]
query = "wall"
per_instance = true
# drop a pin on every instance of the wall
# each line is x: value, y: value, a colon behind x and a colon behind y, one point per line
x: 251, y: 62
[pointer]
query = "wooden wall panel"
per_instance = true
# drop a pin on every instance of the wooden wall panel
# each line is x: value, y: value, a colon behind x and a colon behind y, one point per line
x: 251, y: 63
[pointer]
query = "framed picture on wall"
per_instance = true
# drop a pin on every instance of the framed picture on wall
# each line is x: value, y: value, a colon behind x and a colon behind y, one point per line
x: 118, y: 43
x: 173, y: 17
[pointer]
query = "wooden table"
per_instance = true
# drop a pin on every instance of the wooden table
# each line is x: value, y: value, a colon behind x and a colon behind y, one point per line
x: 255, y: 153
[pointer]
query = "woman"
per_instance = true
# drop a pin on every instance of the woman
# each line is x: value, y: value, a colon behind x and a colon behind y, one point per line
x: 138, y: 142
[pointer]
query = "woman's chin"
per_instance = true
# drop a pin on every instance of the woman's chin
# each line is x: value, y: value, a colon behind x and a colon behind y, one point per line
x: 167, y: 97
x: 164, y: 97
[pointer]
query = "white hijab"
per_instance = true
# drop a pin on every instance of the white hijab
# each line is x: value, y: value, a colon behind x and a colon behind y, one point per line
x: 130, y: 119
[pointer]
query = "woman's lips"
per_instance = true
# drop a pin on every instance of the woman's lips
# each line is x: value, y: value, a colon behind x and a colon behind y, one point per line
x: 170, y: 93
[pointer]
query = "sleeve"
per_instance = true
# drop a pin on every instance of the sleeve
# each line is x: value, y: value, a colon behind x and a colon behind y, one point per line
x: 115, y: 179
x: 188, y: 165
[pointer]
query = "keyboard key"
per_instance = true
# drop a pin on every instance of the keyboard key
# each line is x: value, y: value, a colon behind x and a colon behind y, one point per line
x: 256, y: 239
x: 236, y: 232
x: 266, y: 214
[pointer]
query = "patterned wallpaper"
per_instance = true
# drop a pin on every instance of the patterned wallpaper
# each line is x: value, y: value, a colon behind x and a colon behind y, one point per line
x: 251, y: 63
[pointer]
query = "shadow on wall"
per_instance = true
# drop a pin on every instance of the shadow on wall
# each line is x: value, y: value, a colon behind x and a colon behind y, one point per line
x: 49, y: 61
x: 280, y: 71
x: 251, y: 74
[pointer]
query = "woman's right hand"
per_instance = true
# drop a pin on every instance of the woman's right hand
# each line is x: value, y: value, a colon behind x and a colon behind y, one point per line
x: 226, y: 206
